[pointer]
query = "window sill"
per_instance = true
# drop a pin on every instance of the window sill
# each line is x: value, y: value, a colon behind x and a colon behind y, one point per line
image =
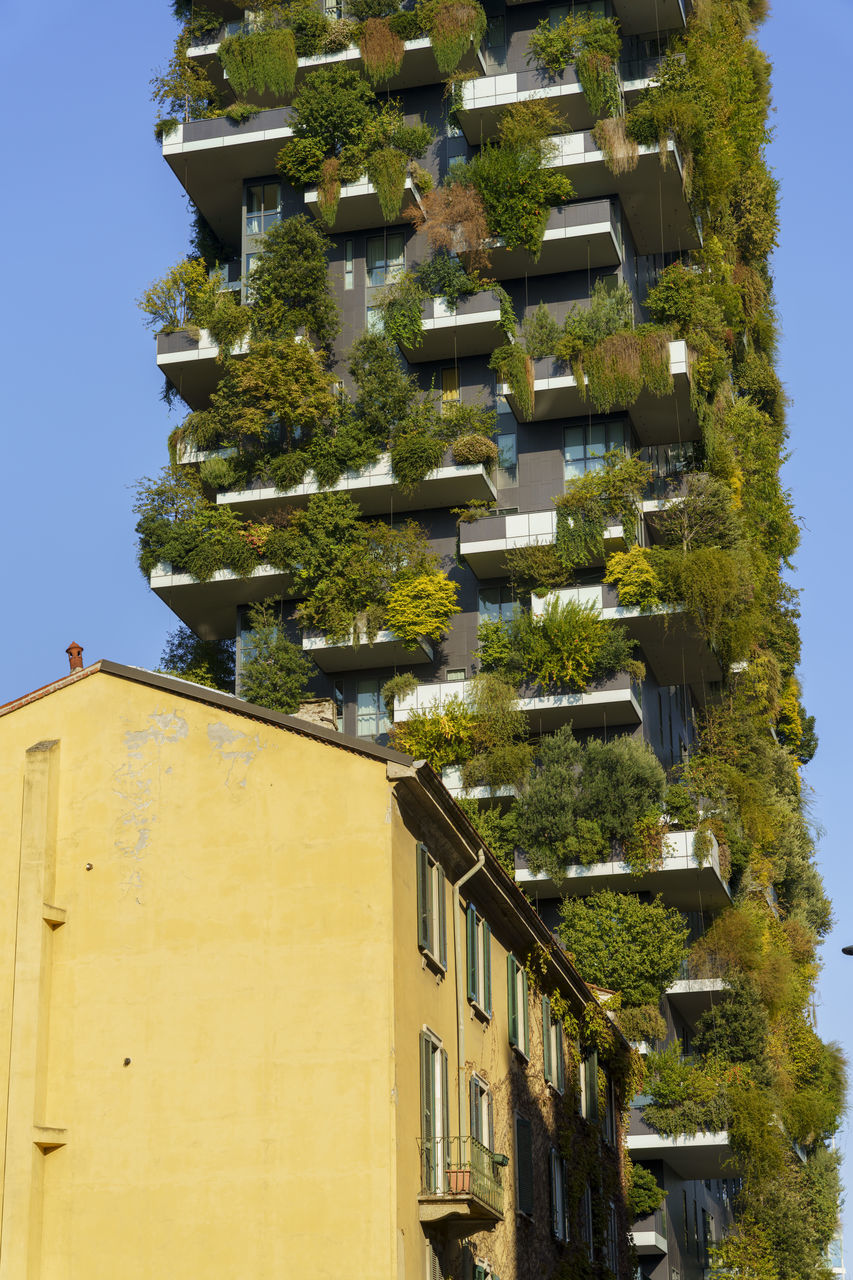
x: 479, y: 1011
x: 432, y: 963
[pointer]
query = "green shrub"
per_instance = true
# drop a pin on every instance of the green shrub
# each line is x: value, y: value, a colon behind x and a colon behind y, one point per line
x: 501, y: 753
x: 277, y: 673
x: 287, y: 470
x: 414, y: 454
x: 260, y: 62
x: 514, y: 367
x: 686, y: 1098
x: 453, y: 27
x: 642, y: 1024
x: 622, y: 366
x: 402, y: 318
x: 469, y: 450
x: 330, y: 113
x: 517, y: 193
x: 441, y: 737
x: 386, y: 169
x: 593, y: 45
x: 185, y: 296
x: 540, y: 333
x: 288, y: 286
x: 611, y: 493
x: 624, y: 944
x: 421, y: 607
x: 565, y: 646
x: 644, y: 1195
x: 633, y: 574
x: 381, y: 51
x: 443, y: 276
x: 399, y: 686
x: 208, y: 662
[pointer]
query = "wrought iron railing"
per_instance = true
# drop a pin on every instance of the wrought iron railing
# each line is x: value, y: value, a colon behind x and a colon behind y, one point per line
x: 462, y: 1167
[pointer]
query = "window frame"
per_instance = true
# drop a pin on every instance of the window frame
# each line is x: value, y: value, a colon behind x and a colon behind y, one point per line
x: 517, y: 1004
x: 553, y: 1059
x: 481, y: 1116
x: 558, y: 1170
x: 524, y: 1189
x: 432, y: 908
x: 478, y: 961
x: 435, y: 1107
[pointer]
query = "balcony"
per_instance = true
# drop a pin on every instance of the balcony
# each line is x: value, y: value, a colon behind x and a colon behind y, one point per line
x: 212, y: 158
x: 375, y: 490
x: 682, y: 880
x: 694, y: 1157
x: 637, y: 16
x: 358, y: 208
x: 419, y: 65
x: 485, y: 542
x: 614, y: 703
x: 451, y: 776
x: 483, y: 100
x: 691, y: 997
x: 471, y: 328
x: 358, y: 654
x: 581, y: 236
x: 461, y: 1182
x: 192, y: 363
x: 210, y: 608
x: 649, y: 1235
x: 672, y: 645
x: 652, y: 197
x: 656, y: 419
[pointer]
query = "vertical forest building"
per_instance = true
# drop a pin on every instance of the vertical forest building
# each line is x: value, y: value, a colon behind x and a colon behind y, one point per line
x: 479, y: 436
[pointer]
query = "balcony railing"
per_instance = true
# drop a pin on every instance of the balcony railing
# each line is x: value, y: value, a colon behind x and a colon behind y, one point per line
x: 462, y: 1169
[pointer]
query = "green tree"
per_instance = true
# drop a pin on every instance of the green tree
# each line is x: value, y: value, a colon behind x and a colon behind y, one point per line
x: 209, y: 662
x: 288, y: 284
x: 277, y: 673
x: 622, y: 943
x: 185, y: 295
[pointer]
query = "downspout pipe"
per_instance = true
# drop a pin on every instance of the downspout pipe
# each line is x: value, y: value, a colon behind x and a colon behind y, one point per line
x: 460, y: 988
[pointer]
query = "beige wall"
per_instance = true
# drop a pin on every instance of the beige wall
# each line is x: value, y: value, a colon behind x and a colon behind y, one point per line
x: 233, y: 939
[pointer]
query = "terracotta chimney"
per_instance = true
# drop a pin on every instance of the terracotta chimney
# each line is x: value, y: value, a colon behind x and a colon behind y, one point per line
x: 75, y: 656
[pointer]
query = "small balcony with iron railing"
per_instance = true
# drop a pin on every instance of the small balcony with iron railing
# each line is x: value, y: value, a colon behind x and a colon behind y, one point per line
x: 461, y: 1181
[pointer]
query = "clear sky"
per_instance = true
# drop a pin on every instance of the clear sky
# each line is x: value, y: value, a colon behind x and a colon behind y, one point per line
x: 103, y: 216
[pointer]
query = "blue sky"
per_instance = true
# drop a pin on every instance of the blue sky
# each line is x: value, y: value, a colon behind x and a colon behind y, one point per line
x: 92, y: 215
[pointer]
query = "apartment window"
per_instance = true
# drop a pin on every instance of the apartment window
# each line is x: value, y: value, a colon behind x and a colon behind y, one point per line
x: 432, y: 918
x: 552, y: 1047
x: 523, y: 1165
x: 482, y: 1115
x: 686, y: 1219
x: 496, y: 32
x: 589, y: 1087
x: 611, y: 1239
x: 496, y: 604
x: 449, y: 387
x: 559, y: 12
x: 584, y: 446
x: 375, y: 322
x: 249, y: 264
x: 338, y: 694
x: 386, y: 258
x: 455, y: 674
x: 558, y: 1167
x: 609, y: 1124
x: 516, y: 1002
x: 586, y: 1220
x: 507, y: 442
x: 479, y: 961
x: 435, y: 1112
x: 263, y: 207
x: 349, y: 272
x: 372, y: 718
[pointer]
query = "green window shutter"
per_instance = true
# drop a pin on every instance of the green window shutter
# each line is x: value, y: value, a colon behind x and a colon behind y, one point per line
x: 525, y: 1041
x: 442, y: 917
x: 487, y: 969
x: 512, y: 1000
x: 592, y: 1086
x: 523, y: 1165
x: 566, y: 1219
x: 489, y: 1138
x: 552, y: 1184
x: 471, y: 918
x: 424, y: 902
x: 445, y: 1109
x: 546, y: 1039
x: 560, y: 1073
x: 428, y: 1157
x: 474, y: 1110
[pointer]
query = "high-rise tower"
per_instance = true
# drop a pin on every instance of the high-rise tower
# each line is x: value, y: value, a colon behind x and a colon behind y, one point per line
x: 482, y: 381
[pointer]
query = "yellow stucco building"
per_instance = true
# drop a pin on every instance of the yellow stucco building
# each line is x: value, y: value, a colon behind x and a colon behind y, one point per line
x: 269, y: 1009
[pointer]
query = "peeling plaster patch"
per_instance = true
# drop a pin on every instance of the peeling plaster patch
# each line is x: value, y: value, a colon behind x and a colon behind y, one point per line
x: 136, y: 782
x: 237, y: 750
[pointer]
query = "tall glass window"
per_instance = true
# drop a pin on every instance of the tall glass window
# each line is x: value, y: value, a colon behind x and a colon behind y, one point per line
x: 386, y: 258
x: 263, y: 207
x: 372, y: 716
x: 496, y: 604
x: 449, y: 387
x: 507, y: 442
x: 584, y: 446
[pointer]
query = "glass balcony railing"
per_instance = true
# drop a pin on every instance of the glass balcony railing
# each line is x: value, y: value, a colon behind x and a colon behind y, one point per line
x: 462, y: 1168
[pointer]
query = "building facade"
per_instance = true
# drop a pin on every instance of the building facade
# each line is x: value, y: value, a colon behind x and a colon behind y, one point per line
x: 269, y: 1003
